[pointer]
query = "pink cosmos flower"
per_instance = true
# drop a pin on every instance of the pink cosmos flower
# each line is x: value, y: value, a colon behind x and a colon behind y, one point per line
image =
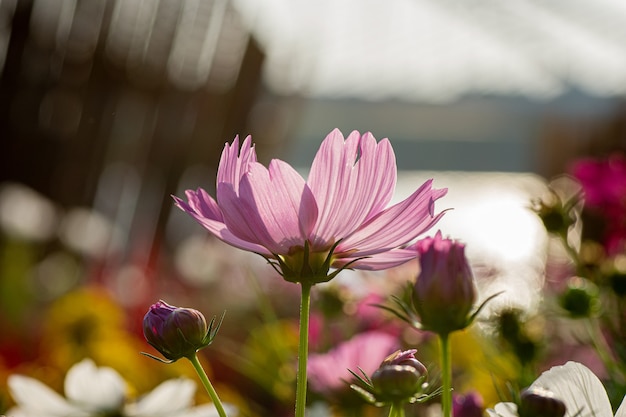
x: 328, y: 372
x: 337, y: 218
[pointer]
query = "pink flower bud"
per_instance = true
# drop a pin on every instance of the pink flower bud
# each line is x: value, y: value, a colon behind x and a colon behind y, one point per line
x: 175, y: 332
x: 396, y: 382
x: 444, y: 293
x: 399, y: 376
x: 406, y: 357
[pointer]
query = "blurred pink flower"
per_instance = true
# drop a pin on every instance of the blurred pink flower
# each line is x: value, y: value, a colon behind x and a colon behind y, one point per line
x: 328, y: 372
x: 339, y: 216
x: 604, y: 185
x: 371, y: 317
x: 603, y: 180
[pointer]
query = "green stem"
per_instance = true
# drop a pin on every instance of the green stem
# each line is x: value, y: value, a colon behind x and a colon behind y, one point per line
x: 581, y: 269
x: 446, y: 371
x: 396, y: 410
x: 207, y: 384
x: 603, y: 350
x: 303, y: 350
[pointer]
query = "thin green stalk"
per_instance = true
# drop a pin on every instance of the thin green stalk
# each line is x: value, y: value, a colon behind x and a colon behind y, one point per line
x: 612, y: 366
x: 207, y: 384
x: 446, y: 371
x: 581, y: 269
x: 396, y: 410
x: 303, y: 350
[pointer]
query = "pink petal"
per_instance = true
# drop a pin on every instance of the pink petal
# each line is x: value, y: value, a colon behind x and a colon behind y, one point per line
x: 396, y: 225
x: 202, y: 203
x: 275, y: 208
x: 214, y: 224
x: 380, y: 261
x: 234, y: 162
x: 352, y: 180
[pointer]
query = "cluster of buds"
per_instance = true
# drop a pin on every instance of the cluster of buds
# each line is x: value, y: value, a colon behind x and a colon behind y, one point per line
x: 401, y: 378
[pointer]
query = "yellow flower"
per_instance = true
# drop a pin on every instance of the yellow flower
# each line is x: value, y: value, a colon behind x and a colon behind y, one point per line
x: 88, y: 323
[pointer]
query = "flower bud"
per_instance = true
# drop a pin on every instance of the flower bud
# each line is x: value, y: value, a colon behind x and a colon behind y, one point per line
x: 399, y: 376
x: 175, y: 332
x: 580, y: 299
x: 538, y: 402
x: 406, y: 357
x: 444, y: 293
x: 396, y: 382
x: 555, y: 217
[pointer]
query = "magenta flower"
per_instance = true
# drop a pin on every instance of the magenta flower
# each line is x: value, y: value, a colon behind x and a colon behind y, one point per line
x: 604, y: 185
x: 469, y: 405
x: 337, y: 218
x: 328, y: 372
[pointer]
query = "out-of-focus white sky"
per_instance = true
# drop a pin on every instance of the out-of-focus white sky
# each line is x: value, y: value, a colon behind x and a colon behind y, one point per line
x: 436, y: 51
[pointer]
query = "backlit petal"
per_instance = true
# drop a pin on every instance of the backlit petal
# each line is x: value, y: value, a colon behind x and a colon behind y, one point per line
x: 93, y: 388
x: 380, y: 261
x: 578, y: 388
x: 503, y: 410
x: 202, y: 203
x: 234, y: 162
x: 201, y: 212
x: 35, y: 398
x: 396, y: 225
x: 166, y: 399
x: 275, y: 207
x: 352, y: 180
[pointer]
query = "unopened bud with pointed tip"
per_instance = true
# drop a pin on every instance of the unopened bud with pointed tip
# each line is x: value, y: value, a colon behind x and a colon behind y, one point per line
x: 176, y: 332
x: 399, y: 376
x: 444, y: 293
x: 406, y: 357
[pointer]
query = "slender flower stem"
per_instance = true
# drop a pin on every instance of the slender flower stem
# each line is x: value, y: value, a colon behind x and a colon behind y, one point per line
x: 303, y: 350
x: 396, y: 410
x: 446, y: 370
x: 601, y: 346
x: 207, y: 384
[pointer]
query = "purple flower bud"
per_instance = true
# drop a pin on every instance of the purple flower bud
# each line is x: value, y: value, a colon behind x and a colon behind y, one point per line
x: 399, y: 376
x: 538, y: 402
x: 396, y: 382
x: 406, y: 357
x: 175, y: 332
x: 444, y: 293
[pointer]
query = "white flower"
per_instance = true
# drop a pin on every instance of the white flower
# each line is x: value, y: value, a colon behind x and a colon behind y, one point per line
x: 580, y: 390
x: 93, y: 391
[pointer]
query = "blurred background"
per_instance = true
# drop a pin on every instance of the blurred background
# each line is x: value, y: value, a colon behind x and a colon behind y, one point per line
x: 108, y: 107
